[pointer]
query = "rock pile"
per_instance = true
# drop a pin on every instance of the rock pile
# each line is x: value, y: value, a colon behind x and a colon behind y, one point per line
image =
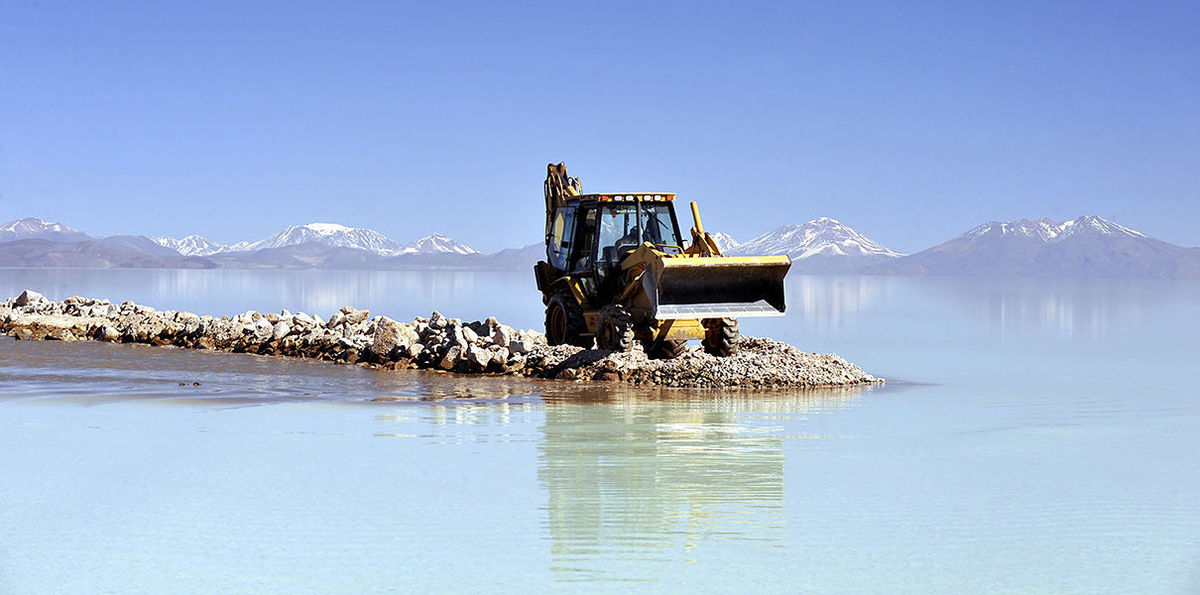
x: 436, y: 342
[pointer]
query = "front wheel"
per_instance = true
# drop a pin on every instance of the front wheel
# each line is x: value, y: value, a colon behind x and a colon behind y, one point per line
x: 721, y: 336
x: 614, y: 328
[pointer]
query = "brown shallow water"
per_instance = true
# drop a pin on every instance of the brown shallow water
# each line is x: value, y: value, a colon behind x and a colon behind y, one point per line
x: 94, y: 371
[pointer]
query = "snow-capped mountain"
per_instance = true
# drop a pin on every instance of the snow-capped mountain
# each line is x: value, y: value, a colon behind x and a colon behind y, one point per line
x: 436, y: 244
x: 819, y: 236
x: 1083, y: 247
x: 1087, y: 246
x: 822, y: 245
x: 329, y: 234
x: 32, y: 228
x: 1047, y: 230
x: 340, y: 236
x: 318, y: 245
x: 725, y: 241
x: 192, y: 245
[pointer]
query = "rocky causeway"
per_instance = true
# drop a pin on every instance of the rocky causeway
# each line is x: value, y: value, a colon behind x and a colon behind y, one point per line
x: 437, y: 342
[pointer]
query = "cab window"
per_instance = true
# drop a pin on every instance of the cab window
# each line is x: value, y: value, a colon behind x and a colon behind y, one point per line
x: 558, y: 245
x: 585, y: 239
x: 618, y: 228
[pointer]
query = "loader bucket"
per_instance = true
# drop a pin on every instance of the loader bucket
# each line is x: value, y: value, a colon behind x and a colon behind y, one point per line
x: 718, y: 287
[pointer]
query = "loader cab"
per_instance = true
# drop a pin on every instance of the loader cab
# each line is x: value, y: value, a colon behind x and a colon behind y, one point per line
x: 619, y: 229
x: 589, y: 237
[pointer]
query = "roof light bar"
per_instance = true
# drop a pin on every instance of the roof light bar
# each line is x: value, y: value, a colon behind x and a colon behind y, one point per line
x: 657, y: 197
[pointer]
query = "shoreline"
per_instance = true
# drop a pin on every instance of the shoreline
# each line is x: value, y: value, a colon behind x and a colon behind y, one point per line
x: 353, y: 336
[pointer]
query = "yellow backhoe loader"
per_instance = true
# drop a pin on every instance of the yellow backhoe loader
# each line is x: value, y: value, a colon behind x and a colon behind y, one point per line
x: 616, y: 271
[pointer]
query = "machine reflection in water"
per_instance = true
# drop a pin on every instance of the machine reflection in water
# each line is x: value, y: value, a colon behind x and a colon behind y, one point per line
x: 636, y: 480
x: 633, y: 478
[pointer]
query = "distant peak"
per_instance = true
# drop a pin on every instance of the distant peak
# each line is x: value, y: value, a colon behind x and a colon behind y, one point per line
x: 1091, y: 220
x: 1098, y: 224
x: 820, y: 236
x: 326, y: 228
x: 32, y: 227
x: 1048, y: 230
x: 438, y: 243
x: 34, y: 222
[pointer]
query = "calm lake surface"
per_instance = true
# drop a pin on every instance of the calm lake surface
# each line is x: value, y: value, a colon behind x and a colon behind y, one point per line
x: 1034, y: 436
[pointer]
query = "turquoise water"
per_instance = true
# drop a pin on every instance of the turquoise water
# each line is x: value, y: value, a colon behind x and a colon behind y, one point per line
x: 1035, y: 436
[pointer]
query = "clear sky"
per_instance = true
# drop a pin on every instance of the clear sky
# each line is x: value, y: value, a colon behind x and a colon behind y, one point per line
x: 910, y: 122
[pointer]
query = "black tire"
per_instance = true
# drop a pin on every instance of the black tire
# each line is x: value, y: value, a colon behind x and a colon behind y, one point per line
x: 721, y: 336
x: 664, y: 349
x: 614, y: 329
x: 564, y: 322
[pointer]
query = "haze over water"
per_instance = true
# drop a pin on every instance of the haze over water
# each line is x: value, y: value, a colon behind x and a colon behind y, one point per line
x: 1034, y: 436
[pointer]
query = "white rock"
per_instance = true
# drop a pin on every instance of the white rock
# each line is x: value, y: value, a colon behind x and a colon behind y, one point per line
x: 499, y: 356
x: 263, y: 329
x: 28, y: 297
x: 457, y: 338
x: 502, y: 336
x: 337, y: 318
x: 478, y: 357
x: 437, y: 321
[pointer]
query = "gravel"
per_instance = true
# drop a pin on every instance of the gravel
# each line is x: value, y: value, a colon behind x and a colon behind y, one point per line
x: 435, y: 343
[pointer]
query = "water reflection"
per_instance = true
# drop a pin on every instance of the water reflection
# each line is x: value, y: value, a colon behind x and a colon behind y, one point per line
x: 1062, y: 308
x: 636, y: 479
x: 400, y: 294
x: 828, y: 303
x: 829, y: 307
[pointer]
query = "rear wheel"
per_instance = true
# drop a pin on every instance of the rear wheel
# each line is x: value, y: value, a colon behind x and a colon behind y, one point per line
x: 721, y: 336
x: 664, y: 349
x: 614, y: 329
x: 564, y: 322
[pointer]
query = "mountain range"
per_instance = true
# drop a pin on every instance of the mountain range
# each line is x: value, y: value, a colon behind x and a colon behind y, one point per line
x: 1083, y: 247
x: 325, y: 234
x: 1088, y: 246
x: 31, y: 242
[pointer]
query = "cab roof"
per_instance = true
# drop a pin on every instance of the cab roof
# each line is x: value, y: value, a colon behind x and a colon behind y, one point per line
x: 625, y: 197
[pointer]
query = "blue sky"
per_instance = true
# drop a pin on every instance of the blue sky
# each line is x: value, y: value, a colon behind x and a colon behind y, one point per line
x: 910, y: 123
